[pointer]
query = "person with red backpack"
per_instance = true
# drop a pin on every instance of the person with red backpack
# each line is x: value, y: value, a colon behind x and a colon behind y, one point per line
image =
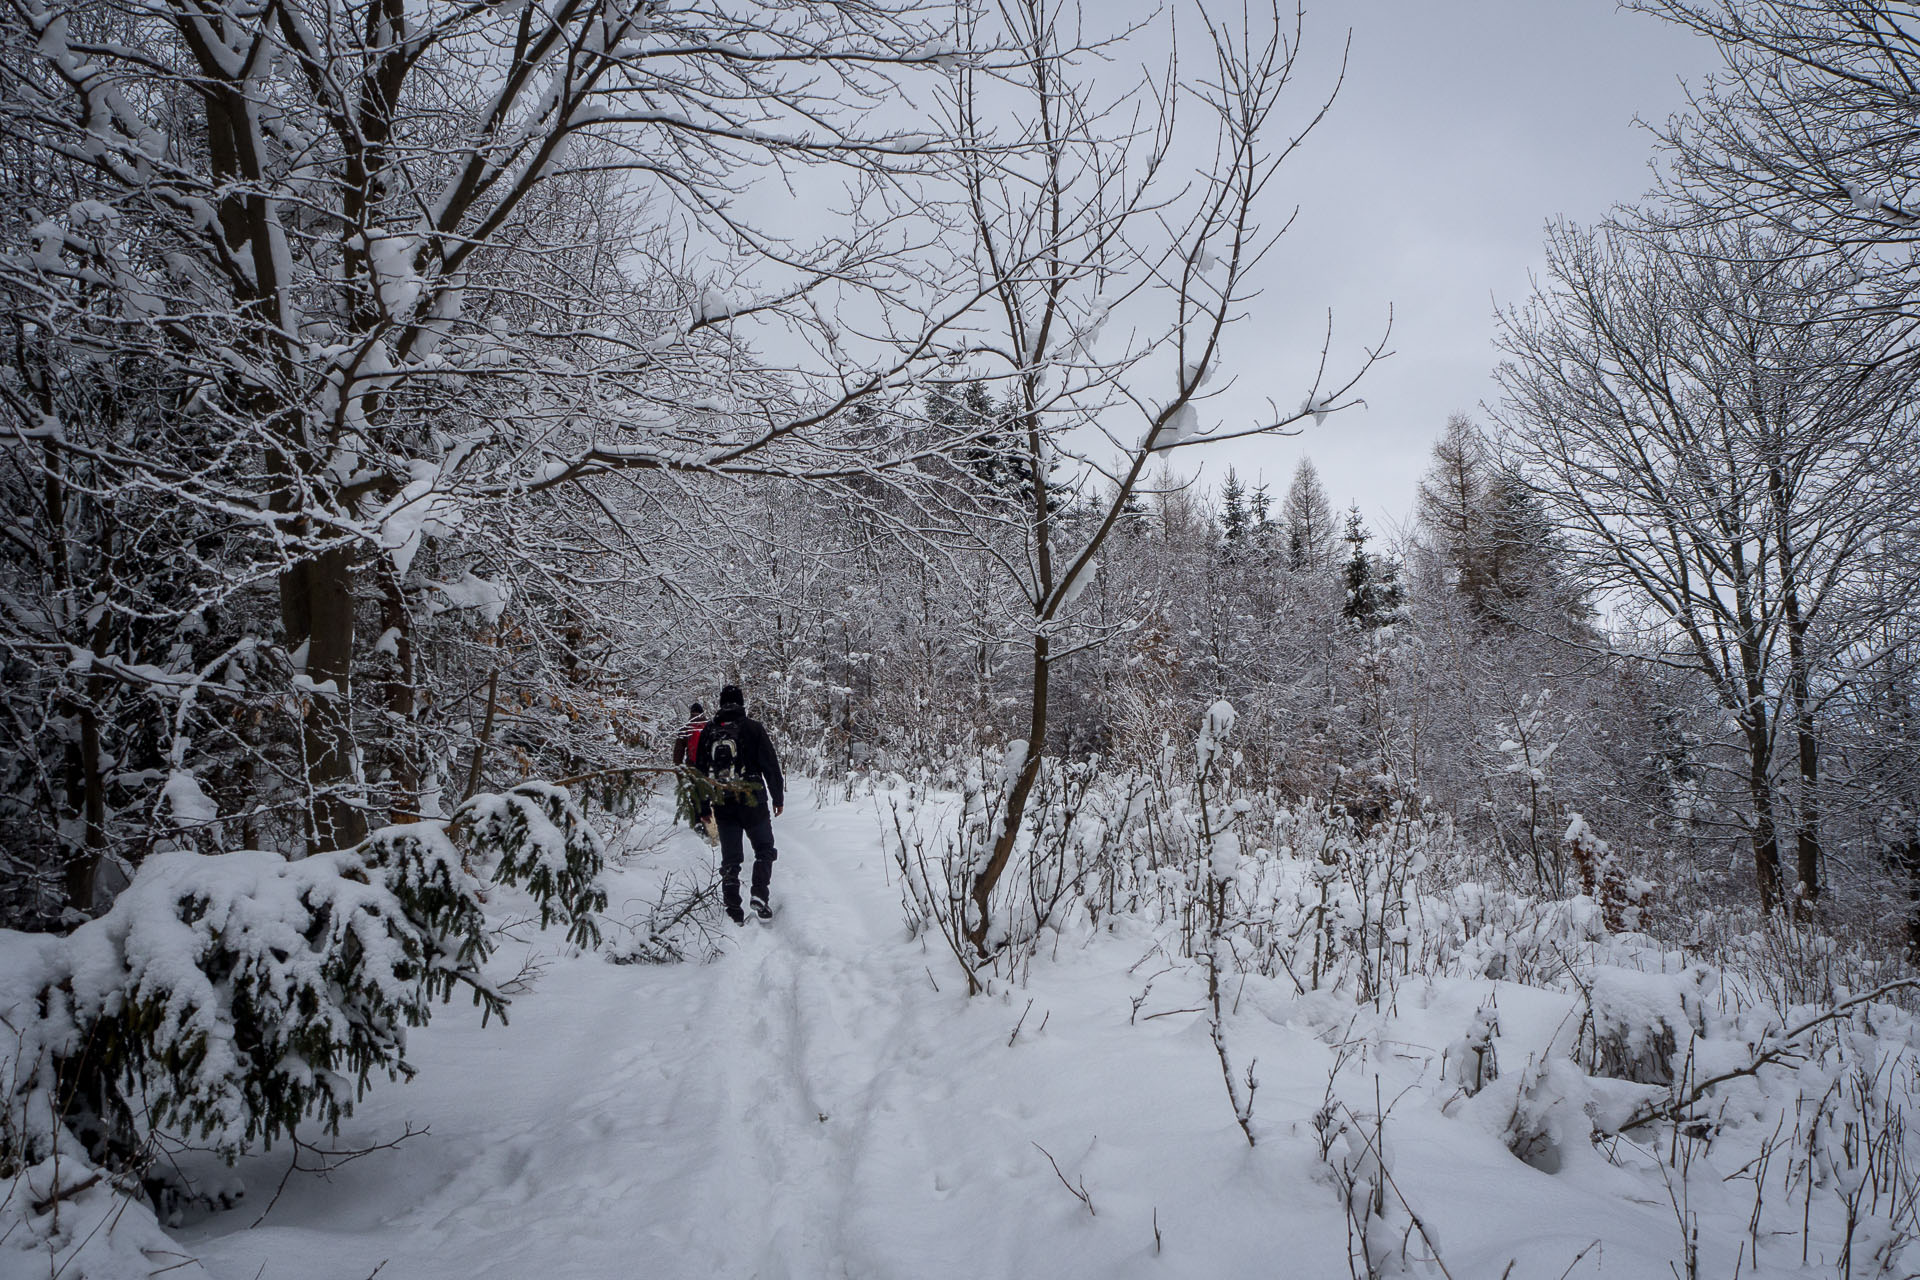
x: 686, y: 743
x: 687, y: 740
x: 734, y: 751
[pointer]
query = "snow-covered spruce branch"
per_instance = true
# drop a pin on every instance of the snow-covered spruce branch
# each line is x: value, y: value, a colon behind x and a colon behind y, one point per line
x: 229, y: 997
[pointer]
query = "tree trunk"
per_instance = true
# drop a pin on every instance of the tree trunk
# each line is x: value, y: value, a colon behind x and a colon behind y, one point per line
x: 1807, y: 836
x: 1800, y: 692
x: 486, y: 735
x: 1752, y: 715
x: 1016, y: 808
x: 1766, y: 842
x: 316, y: 597
x: 83, y: 867
x: 403, y: 770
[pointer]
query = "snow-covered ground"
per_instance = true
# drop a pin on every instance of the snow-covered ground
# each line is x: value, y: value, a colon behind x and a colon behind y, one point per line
x: 824, y: 1102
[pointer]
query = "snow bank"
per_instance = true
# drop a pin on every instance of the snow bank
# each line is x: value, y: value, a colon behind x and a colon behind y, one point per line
x: 63, y: 1217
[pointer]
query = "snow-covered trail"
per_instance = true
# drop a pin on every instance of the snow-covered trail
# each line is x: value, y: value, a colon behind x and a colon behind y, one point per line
x: 809, y: 1027
x: 810, y: 1107
x: 723, y: 1119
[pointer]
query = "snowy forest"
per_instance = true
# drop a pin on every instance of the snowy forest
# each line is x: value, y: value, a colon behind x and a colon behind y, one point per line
x: 408, y: 409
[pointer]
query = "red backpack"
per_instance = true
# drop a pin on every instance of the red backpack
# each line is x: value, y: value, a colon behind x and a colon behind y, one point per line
x: 690, y: 734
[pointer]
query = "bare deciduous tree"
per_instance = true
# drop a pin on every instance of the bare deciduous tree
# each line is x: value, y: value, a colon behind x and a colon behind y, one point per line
x: 318, y: 283
x: 1715, y: 450
x: 1809, y: 129
x: 1087, y: 227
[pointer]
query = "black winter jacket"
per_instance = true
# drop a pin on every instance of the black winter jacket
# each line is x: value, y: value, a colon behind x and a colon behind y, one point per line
x: 759, y: 763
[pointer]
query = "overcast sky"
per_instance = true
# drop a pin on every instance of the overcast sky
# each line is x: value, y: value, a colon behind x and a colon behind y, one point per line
x: 1464, y: 125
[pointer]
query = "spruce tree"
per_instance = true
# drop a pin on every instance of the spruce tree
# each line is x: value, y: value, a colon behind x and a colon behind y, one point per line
x: 1233, y: 509
x: 1374, y: 590
x: 991, y: 456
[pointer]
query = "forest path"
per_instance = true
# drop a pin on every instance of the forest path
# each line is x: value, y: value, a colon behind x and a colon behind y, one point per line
x: 813, y: 1027
x: 687, y: 1120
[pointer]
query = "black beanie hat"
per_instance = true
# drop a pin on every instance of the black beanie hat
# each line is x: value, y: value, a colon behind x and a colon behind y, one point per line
x: 697, y: 709
x: 730, y: 696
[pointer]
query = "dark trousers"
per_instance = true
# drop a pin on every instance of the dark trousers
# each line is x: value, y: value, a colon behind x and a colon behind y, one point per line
x: 757, y: 827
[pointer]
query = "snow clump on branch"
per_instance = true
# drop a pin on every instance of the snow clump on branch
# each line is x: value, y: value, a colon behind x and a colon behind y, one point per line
x: 1215, y: 728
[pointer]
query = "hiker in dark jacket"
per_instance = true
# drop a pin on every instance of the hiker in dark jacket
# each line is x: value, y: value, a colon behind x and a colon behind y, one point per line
x: 734, y: 750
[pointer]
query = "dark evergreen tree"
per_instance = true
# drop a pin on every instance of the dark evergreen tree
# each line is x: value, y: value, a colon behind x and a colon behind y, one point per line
x: 1234, y: 521
x: 1375, y: 594
x: 989, y: 454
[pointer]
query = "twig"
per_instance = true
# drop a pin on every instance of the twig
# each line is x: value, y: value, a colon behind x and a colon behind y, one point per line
x: 330, y: 1159
x: 1080, y: 1192
x: 64, y: 1193
x: 1023, y: 1022
x: 1782, y: 1046
x: 1146, y: 991
x: 531, y: 970
x: 1168, y: 1013
x: 1386, y: 1175
x: 1576, y: 1260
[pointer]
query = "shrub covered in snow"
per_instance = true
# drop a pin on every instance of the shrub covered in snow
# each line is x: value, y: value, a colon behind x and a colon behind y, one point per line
x: 1639, y: 1026
x: 229, y: 997
x: 1746, y: 1064
x: 1472, y: 1062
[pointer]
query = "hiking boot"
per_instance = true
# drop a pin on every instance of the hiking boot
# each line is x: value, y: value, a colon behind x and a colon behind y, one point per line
x: 761, y: 909
x: 736, y: 915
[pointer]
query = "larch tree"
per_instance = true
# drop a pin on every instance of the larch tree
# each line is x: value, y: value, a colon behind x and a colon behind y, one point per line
x: 1306, y: 521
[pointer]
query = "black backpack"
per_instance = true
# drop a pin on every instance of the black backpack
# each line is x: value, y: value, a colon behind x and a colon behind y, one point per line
x: 725, y: 757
